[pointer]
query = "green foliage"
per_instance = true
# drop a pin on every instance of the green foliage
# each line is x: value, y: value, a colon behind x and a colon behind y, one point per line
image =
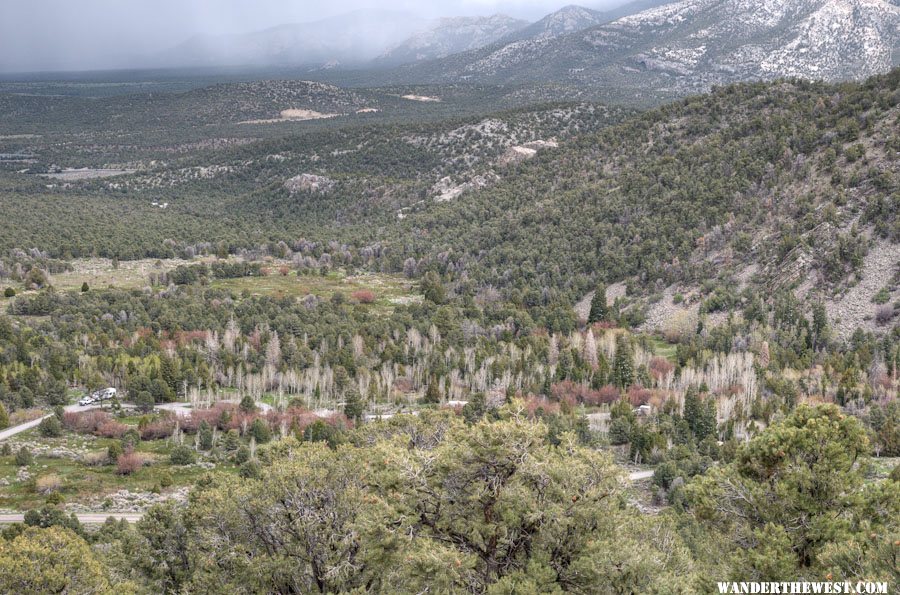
x: 620, y: 431
x: 4, y: 417
x: 260, y: 431
x: 623, y: 363
x: 486, y: 508
x: 248, y: 405
x: 114, y: 451
x: 24, y: 457
x: 354, y: 406
x: 52, y: 560
x: 599, y: 311
x: 792, y: 490
x: 320, y: 431
x: 432, y: 394
x: 700, y: 414
x: 144, y: 401
x: 182, y: 455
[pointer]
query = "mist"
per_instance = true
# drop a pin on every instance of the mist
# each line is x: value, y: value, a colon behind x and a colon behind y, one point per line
x: 61, y: 35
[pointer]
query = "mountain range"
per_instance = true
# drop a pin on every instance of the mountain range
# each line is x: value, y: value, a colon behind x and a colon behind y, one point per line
x: 691, y: 45
x: 380, y: 38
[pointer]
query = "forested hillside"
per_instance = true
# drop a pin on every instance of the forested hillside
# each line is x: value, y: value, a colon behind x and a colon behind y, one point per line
x: 561, y: 347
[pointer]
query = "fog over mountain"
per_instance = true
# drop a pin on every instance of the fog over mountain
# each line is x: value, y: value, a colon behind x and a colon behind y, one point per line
x: 102, y: 34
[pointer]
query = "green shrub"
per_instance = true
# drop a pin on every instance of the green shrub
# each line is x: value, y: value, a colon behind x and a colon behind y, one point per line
x: 50, y: 427
x: 24, y: 457
x: 182, y: 455
x: 242, y: 455
x: 250, y: 470
x: 114, y: 451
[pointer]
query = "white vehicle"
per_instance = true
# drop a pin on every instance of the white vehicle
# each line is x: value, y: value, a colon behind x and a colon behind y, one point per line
x: 103, y: 395
x: 86, y: 401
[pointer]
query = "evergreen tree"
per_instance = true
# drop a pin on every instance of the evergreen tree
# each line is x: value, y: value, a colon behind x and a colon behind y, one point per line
x: 260, y: 431
x: 599, y: 309
x: 205, y: 434
x: 623, y: 364
x: 819, y: 325
x: 353, y: 405
x: 432, y: 393
x: 248, y: 405
x: 4, y: 417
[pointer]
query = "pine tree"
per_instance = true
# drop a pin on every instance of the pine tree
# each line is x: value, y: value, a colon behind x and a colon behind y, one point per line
x: 353, y: 405
x: 623, y: 364
x: 206, y: 435
x: 599, y: 310
x: 4, y: 417
x: 819, y: 325
x: 432, y: 393
x: 699, y: 414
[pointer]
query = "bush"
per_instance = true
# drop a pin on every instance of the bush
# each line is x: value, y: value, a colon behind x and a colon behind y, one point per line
x: 111, y: 429
x: 114, y: 451
x: 895, y: 474
x: 6, y: 450
x: 884, y: 314
x: 24, y: 457
x: 85, y: 422
x: 128, y: 463
x: 250, y: 470
x: 130, y: 438
x: 47, y: 484
x: 161, y: 428
x: 182, y: 455
x: 55, y: 499
x: 363, y: 296
x: 242, y: 455
x: 95, y: 459
x: 9, y: 292
x: 50, y: 427
x: 4, y: 417
x: 165, y: 479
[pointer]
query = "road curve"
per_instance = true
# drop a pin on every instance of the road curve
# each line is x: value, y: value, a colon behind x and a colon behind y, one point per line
x: 87, y: 518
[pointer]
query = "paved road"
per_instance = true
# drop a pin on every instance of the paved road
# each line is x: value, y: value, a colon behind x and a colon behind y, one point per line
x: 638, y: 475
x: 88, y: 518
x: 9, y: 432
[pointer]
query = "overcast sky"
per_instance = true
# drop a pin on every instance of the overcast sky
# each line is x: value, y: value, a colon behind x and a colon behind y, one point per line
x: 85, y: 34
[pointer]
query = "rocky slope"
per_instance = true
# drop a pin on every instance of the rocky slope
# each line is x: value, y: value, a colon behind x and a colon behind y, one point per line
x: 689, y: 46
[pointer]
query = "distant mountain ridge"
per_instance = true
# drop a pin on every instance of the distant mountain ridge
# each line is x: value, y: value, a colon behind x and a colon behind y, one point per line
x: 451, y: 35
x: 691, y: 45
x: 350, y: 38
